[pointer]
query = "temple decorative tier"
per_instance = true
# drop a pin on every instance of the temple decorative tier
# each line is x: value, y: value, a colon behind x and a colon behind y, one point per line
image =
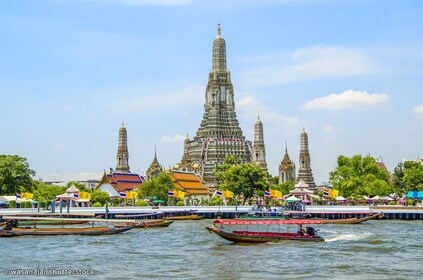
x: 304, y: 172
x: 219, y: 134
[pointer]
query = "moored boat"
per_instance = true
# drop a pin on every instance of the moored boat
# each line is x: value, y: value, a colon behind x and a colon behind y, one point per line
x: 10, y: 232
x: 354, y: 220
x: 185, y: 217
x: 247, y: 236
x: 145, y: 224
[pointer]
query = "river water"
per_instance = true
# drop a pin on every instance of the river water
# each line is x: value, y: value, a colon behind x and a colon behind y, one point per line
x: 386, y: 249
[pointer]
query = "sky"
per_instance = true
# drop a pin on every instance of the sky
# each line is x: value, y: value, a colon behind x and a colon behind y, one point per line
x: 348, y: 72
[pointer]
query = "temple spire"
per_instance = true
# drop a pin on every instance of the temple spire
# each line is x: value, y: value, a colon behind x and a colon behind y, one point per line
x: 219, y: 52
x: 286, y: 168
x: 304, y: 172
x: 122, y: 154
x: 259, y: 150
x: 155, y: 168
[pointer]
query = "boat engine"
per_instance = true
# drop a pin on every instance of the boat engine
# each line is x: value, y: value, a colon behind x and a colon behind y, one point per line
x: 311, y: 231
x: 11, y: 224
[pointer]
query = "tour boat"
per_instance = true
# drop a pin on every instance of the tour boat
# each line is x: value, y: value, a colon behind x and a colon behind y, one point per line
x: 245, y: 235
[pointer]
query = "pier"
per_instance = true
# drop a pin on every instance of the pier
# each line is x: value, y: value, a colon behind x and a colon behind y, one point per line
x: 230, y: 212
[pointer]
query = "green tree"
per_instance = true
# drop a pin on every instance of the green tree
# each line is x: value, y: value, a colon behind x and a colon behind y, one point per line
x: 396, y: 184
x: 359, y: 176
x: 43, y: 192
x: 100, y: 197
x: 274, y: 180
x: 157, y: 187
x: 242, y: 179
x: 15, y: 175
x: 413, y: 176
x: 286, y: 187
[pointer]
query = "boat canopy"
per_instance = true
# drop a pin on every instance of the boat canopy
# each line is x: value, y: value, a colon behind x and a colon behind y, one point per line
x: 267, y: 222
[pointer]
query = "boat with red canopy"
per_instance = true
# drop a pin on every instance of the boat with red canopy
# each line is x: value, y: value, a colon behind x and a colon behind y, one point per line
x: 242, y: 232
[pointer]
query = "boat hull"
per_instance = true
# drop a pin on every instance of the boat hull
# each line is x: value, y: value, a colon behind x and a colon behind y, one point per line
x: 353, y: 220
x: 261, y: 237
x: 146, y: 224
x: 62, y: 231
x: 186, y: 217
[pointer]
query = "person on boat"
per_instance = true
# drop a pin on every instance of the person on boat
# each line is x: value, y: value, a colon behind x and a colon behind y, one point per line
x: 301, y: 230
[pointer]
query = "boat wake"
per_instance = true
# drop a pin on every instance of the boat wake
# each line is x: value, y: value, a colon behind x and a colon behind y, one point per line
x: 348, y: 237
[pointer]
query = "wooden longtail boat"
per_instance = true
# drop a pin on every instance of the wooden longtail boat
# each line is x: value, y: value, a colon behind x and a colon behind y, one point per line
x: 145, y: 224
x: 185, y: 217
x: 354, y: 220
x: 62, y: 231
x: 246, y: 236
x: 50, y: 222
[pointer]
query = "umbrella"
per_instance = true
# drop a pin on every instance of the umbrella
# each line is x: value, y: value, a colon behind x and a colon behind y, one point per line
x: 306, y: 201
x: 158, y: 201
x: 292, y: 199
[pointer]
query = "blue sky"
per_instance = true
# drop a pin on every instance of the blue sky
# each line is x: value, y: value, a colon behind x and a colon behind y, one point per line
x: 350, y: 72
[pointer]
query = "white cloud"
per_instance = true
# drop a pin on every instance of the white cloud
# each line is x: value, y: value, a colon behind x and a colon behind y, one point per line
x: 309, y: 63
x: 345, y: 100
x: 418, y: 109
x: 175, y: 138
x: 252, y: 107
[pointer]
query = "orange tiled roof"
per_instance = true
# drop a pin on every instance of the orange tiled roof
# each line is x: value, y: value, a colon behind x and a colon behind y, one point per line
x: 189, y: 183
x: 122, y: 181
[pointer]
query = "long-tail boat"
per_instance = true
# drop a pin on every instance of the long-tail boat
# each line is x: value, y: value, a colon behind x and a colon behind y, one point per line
x: 185, y: 217
x: 353, y: 220
x: 145, y: 224
x: 12, y: 228
x: 62, y: 231
x: 257, y: 236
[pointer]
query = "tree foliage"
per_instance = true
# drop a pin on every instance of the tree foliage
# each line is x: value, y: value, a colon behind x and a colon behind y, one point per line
x: 284, y: 187
x: 413, y: 176
x: 157, y: 187
x: 242, y: 179
x: 15, y: 175
x: 44, y: 192
x: 100, y: 197
x: 359, y: 176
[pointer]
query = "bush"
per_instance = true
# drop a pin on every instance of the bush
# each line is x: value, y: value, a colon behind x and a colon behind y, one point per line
x: 409, y: 202
x: 12, y: 204
x: 216, y: 202
x: 392, y: 203
x: 180, y: 203
x: 141, y: 203
x: 97, y: 204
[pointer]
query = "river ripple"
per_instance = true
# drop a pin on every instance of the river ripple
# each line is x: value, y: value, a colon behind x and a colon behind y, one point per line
x: 375, y: 250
